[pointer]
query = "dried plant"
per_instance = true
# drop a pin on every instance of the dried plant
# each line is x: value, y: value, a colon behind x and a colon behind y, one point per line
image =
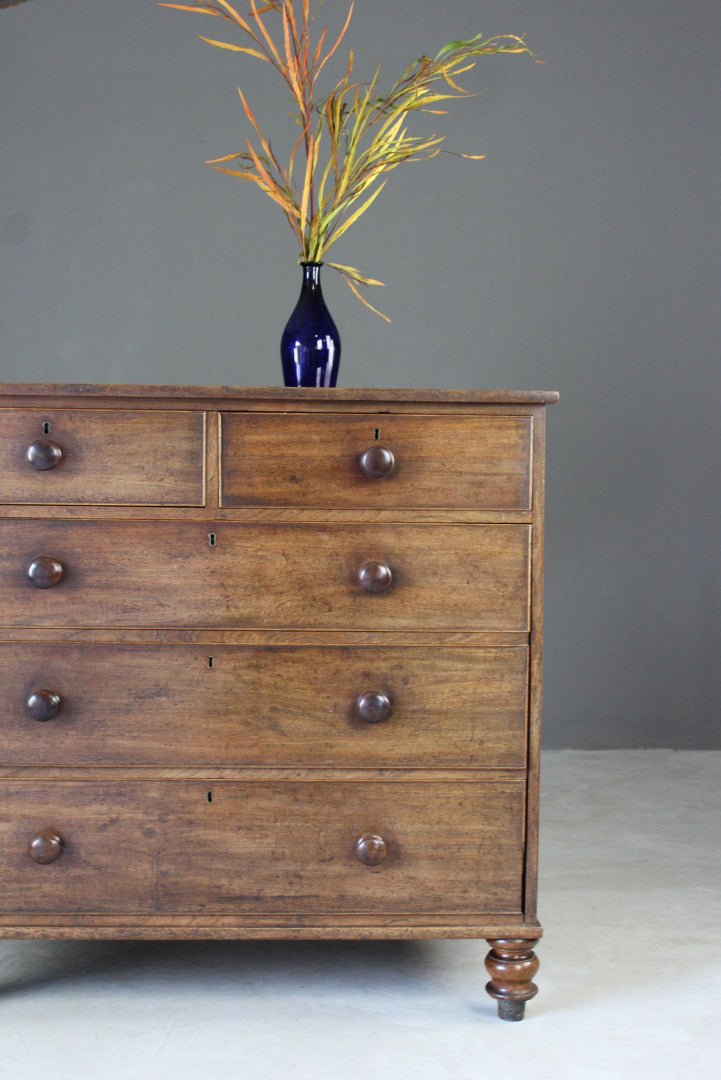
x: 363, y: 133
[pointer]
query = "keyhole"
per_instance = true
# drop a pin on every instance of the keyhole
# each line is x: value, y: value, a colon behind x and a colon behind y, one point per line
x: 376, y: 433
x: 212, y: 539
x: 209, y: 796
x: 211, y: 661
x: 46, y: 428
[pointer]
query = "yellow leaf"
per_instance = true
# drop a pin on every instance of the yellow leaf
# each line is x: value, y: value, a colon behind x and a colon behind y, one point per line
x: 232, y: 12
x: 294, y: 151
x: 312, y: 158
x: 361, y: 210
x: 354, y: 289
x: 355, y: 274
x: 235, y: 48
x: 290, y: 15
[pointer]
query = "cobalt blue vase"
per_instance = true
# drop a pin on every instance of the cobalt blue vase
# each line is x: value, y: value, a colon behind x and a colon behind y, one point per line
x: 310, y: 345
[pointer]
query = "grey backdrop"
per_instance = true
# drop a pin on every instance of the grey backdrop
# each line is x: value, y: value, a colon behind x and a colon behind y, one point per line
x: 582, y: 255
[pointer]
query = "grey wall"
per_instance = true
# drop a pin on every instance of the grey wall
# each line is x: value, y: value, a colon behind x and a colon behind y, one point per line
x: 581, y: 255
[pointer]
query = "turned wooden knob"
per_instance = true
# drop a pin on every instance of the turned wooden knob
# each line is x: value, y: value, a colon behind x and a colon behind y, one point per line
x: 377, y: 461
x: 44, y: 454
x: 373, y: 706
x: 44, y: 704
x: 375, y: 577
x: 45, y: 571
x: 46, y: 847
x: 371, y: 849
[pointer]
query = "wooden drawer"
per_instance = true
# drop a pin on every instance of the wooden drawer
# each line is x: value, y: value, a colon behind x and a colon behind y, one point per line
x: 293, y: 706
x: 480, y: 462
x: 149, y: 458
x: 163, y: 846
x: 167, y: 574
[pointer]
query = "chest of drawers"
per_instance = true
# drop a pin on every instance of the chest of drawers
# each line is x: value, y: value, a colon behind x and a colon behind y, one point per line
x: 271, y: 665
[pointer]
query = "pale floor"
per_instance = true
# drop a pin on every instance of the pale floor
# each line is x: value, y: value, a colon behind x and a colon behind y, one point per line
x: 630, y: 978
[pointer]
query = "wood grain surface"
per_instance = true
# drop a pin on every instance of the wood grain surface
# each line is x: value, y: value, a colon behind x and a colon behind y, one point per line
x: 290, y: 460
x: 121, y: 457
x: 295, y: 706
x: 170, y: 574
x: 219, y: 846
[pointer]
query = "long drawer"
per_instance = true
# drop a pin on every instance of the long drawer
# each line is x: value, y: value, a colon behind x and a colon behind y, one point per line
x: 113, y: 457
x: 72, y: 704
x: 172, y: 574
x: 282, y: 459
x: 203, y: 846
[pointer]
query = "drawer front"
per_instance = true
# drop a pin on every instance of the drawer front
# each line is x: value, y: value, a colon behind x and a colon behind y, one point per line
x: 103, y: 457
x: 167, y: 574
x: 226, y: 847
x: 474, y: 462
x: 293, y: 706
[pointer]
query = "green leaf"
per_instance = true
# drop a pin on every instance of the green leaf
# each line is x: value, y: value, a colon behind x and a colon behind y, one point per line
x: 455, y: 46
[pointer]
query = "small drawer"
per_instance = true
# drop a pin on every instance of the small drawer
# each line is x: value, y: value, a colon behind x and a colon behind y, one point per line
x: 376, y: 461
x: 295, y: 706
x: 107, y: 457
x: 141, y: 846
x: 341, y: 577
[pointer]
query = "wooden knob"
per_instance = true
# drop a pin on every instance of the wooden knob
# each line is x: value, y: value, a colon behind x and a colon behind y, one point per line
x: 45, y: 571
x: 375, y: 577
x: 373, y: 706
x: 371, y: 849
x: 44, y: 454
x: 46, y: 847
x: 377, y: 461
x: 44, y: 704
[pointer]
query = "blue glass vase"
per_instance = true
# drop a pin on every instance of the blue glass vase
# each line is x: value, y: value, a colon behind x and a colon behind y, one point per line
x: 310, y: 345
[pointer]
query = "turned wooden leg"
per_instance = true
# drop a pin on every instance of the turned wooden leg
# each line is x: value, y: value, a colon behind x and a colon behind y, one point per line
x: 512, y: 964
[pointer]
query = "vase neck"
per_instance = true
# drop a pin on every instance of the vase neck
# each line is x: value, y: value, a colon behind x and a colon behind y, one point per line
x: 311, y: 275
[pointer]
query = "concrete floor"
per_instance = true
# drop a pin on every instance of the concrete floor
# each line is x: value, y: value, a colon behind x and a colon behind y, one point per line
x: 630, y: 978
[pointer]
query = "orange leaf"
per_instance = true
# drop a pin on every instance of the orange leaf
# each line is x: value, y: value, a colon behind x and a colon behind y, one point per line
x: 266, y: 35
x: 340, y: 38
x: 319, y: 47
x: 186, y: 7
x: 292, y: 62
x: 248, y: 112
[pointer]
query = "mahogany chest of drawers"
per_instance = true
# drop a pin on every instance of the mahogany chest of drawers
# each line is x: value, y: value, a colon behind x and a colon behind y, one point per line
x: 271, y: 665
